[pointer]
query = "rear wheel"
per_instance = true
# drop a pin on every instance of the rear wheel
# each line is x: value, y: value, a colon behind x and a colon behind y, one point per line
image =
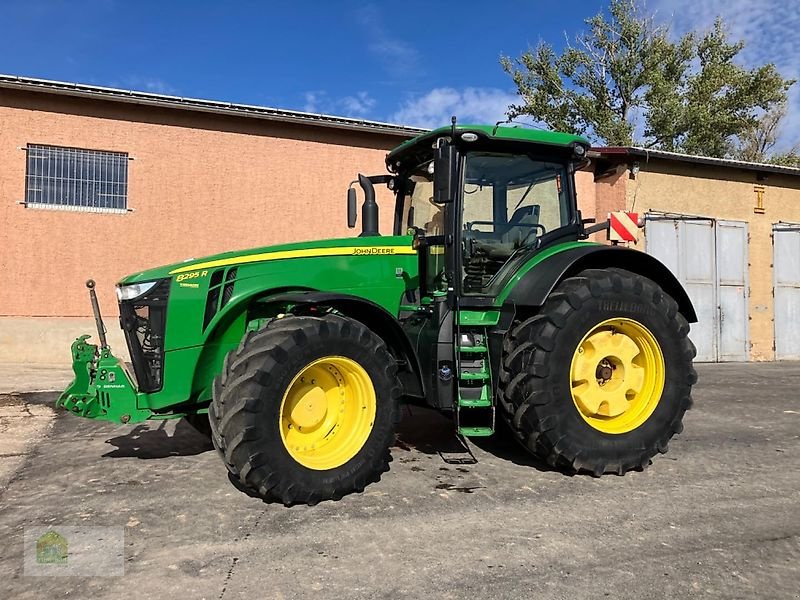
x: 600, y: 379
x: 306, y: 408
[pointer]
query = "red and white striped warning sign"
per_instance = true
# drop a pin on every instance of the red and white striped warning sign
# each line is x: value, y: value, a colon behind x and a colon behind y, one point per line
x: 623, y: 226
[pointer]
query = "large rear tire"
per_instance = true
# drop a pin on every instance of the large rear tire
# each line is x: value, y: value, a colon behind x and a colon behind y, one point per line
x: 600, y: 379
x: 306, y: 409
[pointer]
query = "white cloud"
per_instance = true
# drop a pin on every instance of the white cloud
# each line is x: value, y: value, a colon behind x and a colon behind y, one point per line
x: 312, y: 101
x: 360, y: 104
x: 476, y: 105
x: 319, y: 101
x: 769, y: 28
x: 398, y: 57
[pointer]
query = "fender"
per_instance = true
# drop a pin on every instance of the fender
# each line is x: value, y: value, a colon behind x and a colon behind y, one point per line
x: 374, y: 317
x: 537, y: 284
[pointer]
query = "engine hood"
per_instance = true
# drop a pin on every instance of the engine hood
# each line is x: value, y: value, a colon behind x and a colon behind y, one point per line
x: 377, y: 245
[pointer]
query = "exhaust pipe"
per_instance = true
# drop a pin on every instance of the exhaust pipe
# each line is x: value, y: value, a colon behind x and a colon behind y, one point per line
x: 369, y: 210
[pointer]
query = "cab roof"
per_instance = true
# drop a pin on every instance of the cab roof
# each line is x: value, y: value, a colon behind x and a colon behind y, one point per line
x: 494, y: 133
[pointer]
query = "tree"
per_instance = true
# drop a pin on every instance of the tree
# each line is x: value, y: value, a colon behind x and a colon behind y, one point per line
x: 757, y: 143
x: 625, y: 81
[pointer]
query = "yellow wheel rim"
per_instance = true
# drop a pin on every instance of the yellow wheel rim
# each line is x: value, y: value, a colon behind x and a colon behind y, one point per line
x: 327, y: 412
x: 617, y: 375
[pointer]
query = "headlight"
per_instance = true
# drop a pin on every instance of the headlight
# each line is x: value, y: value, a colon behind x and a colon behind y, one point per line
x: 134, y: 290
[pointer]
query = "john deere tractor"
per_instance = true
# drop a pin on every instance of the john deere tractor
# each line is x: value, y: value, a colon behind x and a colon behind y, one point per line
x: 485, y: 302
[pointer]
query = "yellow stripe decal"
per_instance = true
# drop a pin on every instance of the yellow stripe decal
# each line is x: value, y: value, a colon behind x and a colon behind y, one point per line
x: 304, y: 253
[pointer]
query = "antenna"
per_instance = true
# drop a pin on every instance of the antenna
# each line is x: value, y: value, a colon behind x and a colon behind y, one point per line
x: 496, y: 125
x: 515, y: 122
x: 453, y: 128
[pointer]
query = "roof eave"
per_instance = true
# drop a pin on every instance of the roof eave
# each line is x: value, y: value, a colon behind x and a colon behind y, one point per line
x: 205, y: 106
x: 616, y: 152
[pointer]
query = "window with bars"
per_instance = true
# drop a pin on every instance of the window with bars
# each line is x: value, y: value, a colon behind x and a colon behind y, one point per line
x: 76, y: 179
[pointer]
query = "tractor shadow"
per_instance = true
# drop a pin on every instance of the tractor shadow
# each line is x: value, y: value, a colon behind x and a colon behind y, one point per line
x: 150, y: 441
x: 430, y: 432
x: 421, y: 429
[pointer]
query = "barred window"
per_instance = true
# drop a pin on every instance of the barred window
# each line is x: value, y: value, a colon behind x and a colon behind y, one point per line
x: 76, y: 179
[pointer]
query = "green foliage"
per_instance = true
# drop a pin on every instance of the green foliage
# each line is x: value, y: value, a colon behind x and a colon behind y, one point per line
x: 786, y: 159
x: 626, y: 75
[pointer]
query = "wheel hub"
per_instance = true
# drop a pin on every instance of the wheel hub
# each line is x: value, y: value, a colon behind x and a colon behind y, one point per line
x: 604, y: 371
x: 311, y: 407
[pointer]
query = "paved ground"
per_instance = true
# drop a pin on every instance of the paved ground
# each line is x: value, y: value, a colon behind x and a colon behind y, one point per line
x: 22, y: 377
x: 719, y: 516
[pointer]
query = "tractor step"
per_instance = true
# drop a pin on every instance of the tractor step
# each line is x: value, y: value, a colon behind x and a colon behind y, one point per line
x: 476, y: 349
x: 474, y: 403
x: 459, y: 454
x: 479, y: 403
x: 475, y: 397
x: 474, y: 376
x: 476, y: 431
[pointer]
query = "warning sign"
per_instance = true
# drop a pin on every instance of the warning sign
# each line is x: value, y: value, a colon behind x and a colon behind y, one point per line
x: 623, y: 226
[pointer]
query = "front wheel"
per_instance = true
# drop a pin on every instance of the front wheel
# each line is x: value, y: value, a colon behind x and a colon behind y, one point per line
x: 600, y: 379
x: 306, y: 409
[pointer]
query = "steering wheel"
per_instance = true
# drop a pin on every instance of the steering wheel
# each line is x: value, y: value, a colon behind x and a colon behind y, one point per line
x: 470, y: 239
x: 534, y: 226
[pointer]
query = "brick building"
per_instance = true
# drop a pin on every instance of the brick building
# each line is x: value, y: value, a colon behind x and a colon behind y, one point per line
x: 184, y: 178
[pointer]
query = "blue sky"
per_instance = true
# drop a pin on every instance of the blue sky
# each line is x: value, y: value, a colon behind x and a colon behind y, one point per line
x: 413, y: 62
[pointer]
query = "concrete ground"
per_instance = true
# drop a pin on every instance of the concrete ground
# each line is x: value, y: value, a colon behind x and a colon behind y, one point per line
x: 718, y: 516
x: 32, y: 377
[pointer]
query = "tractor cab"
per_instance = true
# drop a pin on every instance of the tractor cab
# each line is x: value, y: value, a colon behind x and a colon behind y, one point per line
x: 475, y: 196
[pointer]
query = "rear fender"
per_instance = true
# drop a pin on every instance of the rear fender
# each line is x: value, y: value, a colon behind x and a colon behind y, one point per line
x: 539, y: 282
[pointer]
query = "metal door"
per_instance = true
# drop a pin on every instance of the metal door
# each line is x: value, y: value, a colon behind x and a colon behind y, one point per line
x: 786, y: 265
x: 709, y: 258
x: 733, y: 317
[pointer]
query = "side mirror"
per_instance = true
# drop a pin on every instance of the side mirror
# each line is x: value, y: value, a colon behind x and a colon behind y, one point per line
x: 444, y: 158
x: 352, y: 209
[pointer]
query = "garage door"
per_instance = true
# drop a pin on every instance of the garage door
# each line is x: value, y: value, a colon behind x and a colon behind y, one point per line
x: 786, y: 261
x: 709, y: 258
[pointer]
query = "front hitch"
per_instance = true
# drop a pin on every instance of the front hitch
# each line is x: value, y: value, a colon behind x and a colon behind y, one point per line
x: 102, y: 387
x: 76, y: 398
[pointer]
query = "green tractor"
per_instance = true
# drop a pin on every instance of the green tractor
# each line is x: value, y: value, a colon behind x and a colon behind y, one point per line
x: 485, y: 303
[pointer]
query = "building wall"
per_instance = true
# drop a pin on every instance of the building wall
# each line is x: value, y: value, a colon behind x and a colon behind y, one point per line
x: 608, y: 193
x: 586, y: 194
x: 198, y: 184
x: 726, y: 194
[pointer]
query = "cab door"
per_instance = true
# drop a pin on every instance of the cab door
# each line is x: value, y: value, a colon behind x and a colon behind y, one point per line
x: 429, y: 323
